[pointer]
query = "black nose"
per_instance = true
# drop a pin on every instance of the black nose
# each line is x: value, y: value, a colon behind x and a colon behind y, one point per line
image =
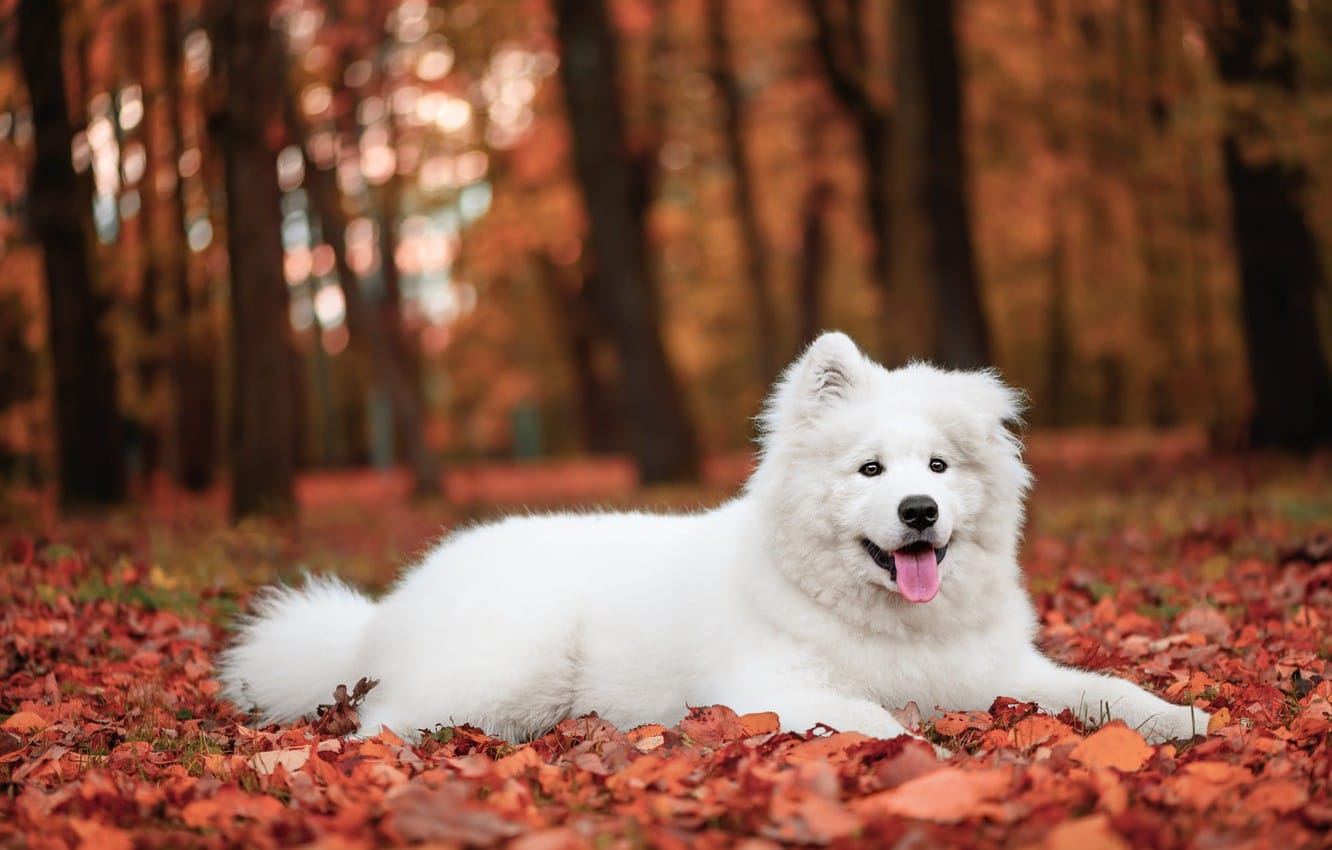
x: 919, y: 512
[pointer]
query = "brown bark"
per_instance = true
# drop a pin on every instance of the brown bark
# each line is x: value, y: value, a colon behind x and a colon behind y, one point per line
x: 931, y: 220
x: 616, y: 200
x: 746, y: 205
x: 87, y: 422
x: 263, y: 455
x: 1280, y: 269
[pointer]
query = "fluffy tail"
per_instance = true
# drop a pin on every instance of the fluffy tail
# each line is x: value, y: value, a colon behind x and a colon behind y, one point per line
x: 294, y: 648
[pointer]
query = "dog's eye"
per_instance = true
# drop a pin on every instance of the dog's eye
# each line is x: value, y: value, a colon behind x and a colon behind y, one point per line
x: 937, y: 464
x: 871, y: 469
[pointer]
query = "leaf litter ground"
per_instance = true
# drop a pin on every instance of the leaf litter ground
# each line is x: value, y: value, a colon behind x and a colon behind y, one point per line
x: 1199, y: 577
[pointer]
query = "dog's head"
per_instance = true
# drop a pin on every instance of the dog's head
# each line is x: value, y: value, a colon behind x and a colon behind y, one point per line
x: 906, y: 479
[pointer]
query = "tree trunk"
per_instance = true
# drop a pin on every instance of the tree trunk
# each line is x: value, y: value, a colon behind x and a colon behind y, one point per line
x: 364, y: 323
x: 87, y: 421
x: 570, y: 297
x: 263, y: 455
x: 193, y: 449
x: 814, y: 207
x: 664, y: 442
x: 1279, y: 265
x: 873, y: 122
x: 746, y: 206
x: 932, y: 242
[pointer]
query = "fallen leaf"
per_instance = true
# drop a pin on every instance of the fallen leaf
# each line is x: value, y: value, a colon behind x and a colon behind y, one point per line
x: 1113, y: 745
x: 1281, y: 796
x: 99, y: 836
x: 24, y: 723
x: 1219, y: 719
x: 1090, y: 833
x: 1041, y: 729
x: 290, y: 759
x: 448, y: 813
x: 954, y: 723
x: 760, y: 723
x: 947, y: 795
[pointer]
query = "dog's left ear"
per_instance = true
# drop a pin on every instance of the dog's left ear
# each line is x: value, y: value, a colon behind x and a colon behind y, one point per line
x: 986, y: 391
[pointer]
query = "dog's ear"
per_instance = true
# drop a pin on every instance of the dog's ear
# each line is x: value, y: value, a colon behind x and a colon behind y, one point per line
x: 985, y: 391
x: 830, y: 370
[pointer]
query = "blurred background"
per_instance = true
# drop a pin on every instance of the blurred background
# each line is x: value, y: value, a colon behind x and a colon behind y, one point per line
x: 242, y: 240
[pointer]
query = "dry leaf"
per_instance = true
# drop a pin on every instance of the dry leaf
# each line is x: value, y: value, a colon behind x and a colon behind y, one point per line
x: 1113, y: 745
x: 947, y: 795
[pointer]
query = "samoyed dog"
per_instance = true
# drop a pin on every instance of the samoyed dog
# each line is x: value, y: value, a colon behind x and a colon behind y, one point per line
x: 870, y: 561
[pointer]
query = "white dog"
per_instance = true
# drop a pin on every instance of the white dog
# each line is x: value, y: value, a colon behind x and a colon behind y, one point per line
x: 870, y: 561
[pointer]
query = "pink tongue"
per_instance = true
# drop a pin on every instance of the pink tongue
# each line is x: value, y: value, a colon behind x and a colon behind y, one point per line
x: 917, y: 574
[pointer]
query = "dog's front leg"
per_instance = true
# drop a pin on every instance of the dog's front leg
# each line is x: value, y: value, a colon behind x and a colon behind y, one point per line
x: 802, y: 703
x: 1098, y: 698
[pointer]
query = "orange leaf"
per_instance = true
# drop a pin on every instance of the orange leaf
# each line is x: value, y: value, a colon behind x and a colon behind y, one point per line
x: 1113, y: 745
x: 805, y: 818
x: 97, y: 836
x: 1314, y: 720
x: 826, y: 748
x: 1220, y: 719
x: 1200, y: 784
x: 552, y: 838
x: 1040, y: 729
x: 24, y: 723
x: 1279, y: 795
x: 954, y: 723
x: 947, y: 795
x: 1089, y: 833
x: 760, y: 723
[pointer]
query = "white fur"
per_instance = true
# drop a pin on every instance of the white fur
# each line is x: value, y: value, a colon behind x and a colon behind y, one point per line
x: 769, y: 602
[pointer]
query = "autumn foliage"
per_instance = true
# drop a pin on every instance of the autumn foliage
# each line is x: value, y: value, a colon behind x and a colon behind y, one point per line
x: 113, y: 735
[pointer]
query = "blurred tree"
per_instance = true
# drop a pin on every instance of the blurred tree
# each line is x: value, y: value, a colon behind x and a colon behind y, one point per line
x: 818, y: 197
x: 263, y: 455
x: 615, y: 188
x: 727, y: 80
x: 193, y: 450
x: 840, y: 44
x: 1280, y: 268
x: 934, y: 264
x: 364, y: 324
x: 90, y: 455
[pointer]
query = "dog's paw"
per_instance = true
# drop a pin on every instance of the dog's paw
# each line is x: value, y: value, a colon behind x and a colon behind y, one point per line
x: 1179, y: 724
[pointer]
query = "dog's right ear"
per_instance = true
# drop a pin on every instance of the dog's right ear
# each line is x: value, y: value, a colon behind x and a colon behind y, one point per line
x: 830, y: 370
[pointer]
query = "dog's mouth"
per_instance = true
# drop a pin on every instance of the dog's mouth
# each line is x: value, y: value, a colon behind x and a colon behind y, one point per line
x: 915, y: 567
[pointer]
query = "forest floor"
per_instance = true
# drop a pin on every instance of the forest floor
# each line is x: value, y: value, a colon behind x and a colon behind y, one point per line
x: 1200, y: 577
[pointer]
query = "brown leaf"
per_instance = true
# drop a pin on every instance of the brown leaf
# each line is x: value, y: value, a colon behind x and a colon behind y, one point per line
x: 713, y: 726
x: 340, y: 718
